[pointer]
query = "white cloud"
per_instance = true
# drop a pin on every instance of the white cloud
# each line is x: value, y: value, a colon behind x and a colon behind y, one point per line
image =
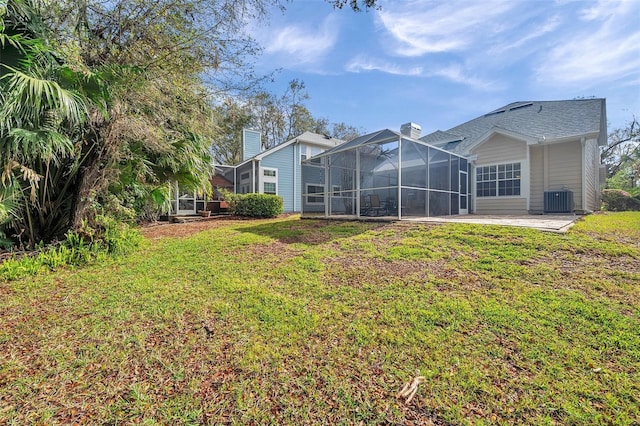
x: 420, y: 27
x: 457, y: 74
x: 600, y: 10
x: 538, y: 31
x: 605, y: 50
x: 303, y: 44
x: 360, y: 63
x: 454, y: 73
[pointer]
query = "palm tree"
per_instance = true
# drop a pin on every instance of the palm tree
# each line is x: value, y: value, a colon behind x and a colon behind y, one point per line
x: 41, y: 107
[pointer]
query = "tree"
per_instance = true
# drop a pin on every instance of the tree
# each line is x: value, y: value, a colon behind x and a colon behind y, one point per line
x: 622, y: 156
x: 232, y: 117
x: 356, y: 5
x: 279, y: 118
x: 106, y: 102
x: 44, y: 106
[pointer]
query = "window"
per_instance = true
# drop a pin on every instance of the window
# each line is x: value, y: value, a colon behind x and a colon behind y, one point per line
x: 315, y: 189
x: 269, y: 180
x: 335, y: 189
x: 310, y: 151
x: 501, y: 180
x: 509, y: 179
x: 269, y: 188
x: 245, y: 183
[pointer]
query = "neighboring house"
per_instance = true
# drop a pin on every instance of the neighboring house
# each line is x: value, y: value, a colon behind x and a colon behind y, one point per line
x: 276, y: 170
x: 526, y: 157
x: 523, y: 149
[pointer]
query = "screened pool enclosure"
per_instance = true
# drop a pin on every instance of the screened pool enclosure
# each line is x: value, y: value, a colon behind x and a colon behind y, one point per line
x: 385, y: 174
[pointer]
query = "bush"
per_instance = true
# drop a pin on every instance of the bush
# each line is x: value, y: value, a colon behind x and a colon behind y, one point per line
x: 255, y: 205
x: 617, y: 200
x: 108, y: 237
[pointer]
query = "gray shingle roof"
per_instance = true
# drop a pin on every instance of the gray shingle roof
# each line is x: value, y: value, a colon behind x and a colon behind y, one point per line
x: 540, y: 120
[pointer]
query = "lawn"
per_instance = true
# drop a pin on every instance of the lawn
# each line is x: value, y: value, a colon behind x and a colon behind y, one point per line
x: 293, y: 321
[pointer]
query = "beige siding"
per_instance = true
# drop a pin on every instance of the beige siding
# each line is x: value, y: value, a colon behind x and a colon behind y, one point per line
x: 536, y: 160
x: 565, y: 169
x: 497, y: 150
x: 591, y: 163
x: 501, y: 205
x: 500, y: 149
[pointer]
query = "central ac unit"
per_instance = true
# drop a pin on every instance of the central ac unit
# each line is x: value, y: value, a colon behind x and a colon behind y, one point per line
x: 558, y: 201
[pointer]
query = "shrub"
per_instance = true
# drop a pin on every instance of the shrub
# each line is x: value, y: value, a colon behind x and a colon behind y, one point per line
x: 117, y: 237
x: 617, y: 200
x: 108, y: 237
x: 255, y: 205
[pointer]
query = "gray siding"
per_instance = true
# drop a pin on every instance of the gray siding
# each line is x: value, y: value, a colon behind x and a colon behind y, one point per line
x: 591, y: 164
x: 565, y: 169
x: 537, y: 171
x: 282, y: 160
x: 496, y: 150
x: 500, y: 149
x: 501, y: 205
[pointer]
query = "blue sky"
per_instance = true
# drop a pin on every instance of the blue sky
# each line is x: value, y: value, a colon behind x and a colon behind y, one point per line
x: 441, y: 63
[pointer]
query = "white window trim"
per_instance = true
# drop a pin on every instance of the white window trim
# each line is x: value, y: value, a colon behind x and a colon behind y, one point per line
x: 307, y: 195
x: 306, y: 152
x: 523, y: 164
x: 268, y: 179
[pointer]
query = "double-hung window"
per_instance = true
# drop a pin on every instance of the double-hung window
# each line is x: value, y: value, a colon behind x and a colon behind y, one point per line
x: 311, y: 191
x: 501, y: 180
x: 269, y: 181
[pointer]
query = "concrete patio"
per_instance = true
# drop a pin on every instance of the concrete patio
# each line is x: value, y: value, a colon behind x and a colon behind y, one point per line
x: 553, y: 223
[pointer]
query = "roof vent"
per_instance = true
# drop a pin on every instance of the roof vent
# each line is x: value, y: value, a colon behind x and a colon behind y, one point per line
x: 411, y: 130
x: 500, y: 111
x: 521, y: 106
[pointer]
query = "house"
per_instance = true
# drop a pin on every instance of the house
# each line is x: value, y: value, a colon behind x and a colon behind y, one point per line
x: 523, y: 150
x: 273, y: 171
x: 526, y: 157
x: 276, y: 170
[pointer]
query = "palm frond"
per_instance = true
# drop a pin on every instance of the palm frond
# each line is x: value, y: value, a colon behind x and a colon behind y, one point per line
x: 28, y: 97
x: 42, y: 144
x: 9, y: 204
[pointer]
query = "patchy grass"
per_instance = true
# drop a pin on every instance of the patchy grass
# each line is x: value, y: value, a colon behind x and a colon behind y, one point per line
x: 295, y: 321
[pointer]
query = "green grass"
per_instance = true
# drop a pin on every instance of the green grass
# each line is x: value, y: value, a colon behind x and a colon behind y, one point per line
x: 323, y: 322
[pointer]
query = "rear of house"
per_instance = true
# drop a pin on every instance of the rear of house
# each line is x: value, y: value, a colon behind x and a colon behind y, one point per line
x: 533, y: 157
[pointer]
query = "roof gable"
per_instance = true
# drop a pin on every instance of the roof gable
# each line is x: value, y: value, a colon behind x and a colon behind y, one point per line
x: 307, y: 137
x: 533, y: 121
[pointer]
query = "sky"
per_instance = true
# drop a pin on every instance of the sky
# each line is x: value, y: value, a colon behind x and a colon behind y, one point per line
x: 441, y: 63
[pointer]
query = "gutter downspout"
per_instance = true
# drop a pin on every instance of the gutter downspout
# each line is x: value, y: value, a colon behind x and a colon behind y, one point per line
x: 253, y: 175
x: 295, y: 160
x: 400, y: 178
x: 583, y: 185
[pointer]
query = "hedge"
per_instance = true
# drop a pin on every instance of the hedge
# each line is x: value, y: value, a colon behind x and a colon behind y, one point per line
x: 617, y: 200
x: 255, y: 205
